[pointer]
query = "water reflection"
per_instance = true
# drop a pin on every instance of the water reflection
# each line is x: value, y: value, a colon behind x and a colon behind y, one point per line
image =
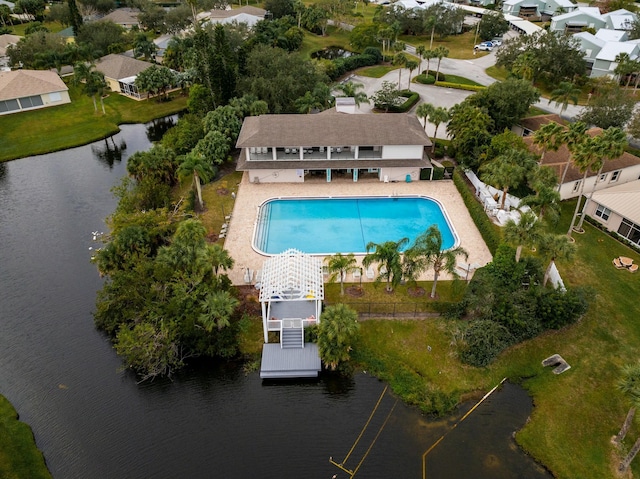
x: 157, y: 128
x: 109, y: 153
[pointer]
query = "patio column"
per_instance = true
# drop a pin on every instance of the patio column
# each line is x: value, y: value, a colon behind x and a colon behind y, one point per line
x: 265, y: 329
x: 274, y: 155
x: 355, y: 175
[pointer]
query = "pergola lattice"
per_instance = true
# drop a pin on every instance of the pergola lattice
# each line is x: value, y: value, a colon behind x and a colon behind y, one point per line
x: 292, y: 289
x: 292, y: 276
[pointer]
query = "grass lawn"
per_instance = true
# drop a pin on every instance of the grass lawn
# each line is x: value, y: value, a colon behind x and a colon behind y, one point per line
x: 19, y: 29
x: 218, y: 201
x: 459, y: 46
x: 335, y: 37
x: 76, y: 123
x: 19, y: 456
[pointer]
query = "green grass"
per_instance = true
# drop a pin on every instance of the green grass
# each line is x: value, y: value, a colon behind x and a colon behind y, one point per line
x: 376, y: 71
x: 19, y: 29
x: 499, y: 73
x: 76, y: 123
x: 335, y: 37
x: 459, y: 46
x: 460, y: 80
x: 19, y: 456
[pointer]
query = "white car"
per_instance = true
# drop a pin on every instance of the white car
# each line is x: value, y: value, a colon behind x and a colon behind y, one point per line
x: 484, y: 46
x: 496, y: 42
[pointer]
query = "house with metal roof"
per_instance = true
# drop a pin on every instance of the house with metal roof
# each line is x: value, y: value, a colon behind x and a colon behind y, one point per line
x: 536, y: 9
x: 618, y: 209
x: 120, y: 72
x: 23, y: 90
x: 578, y: 20
x: 293, y: 148
x: 605, y: 61
x: 623, y: 169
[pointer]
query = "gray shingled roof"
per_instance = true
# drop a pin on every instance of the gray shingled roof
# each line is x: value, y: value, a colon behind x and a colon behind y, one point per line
x: 248, y: 9
x: 120, y: 66
x: 21, y: 83
x: 123, y: 16
x: 332, y: 129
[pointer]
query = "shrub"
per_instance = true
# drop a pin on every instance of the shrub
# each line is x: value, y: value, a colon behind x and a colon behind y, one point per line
x: 488, y: 231
x: 373, y: 52
x: 432, y: 74
x: 347, y: 64
x: 557, y: 308
x: 438, y: 173
x: 411, y: 99
x: 484, y: 340
x: 425, y: 79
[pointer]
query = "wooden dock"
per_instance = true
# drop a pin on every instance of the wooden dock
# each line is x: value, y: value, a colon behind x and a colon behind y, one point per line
x: 283, y: 363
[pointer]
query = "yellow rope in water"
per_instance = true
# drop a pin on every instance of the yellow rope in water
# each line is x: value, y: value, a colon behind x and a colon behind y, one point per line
x: 374, y: 439
x: 424, y: 456
x: 375, y: 408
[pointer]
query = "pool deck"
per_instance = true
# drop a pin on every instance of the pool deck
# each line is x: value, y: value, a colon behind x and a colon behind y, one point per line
x: 250, y: 196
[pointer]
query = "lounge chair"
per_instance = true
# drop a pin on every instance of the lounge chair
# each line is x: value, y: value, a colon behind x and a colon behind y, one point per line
x: 633, y: 268
x: 357, y: 273
x: 617, y: 263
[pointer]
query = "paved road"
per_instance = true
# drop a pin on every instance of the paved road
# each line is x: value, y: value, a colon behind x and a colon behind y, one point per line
x: 446, y: 97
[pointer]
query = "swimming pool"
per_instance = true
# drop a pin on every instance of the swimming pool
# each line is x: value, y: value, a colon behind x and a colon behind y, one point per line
x: 346, y: 224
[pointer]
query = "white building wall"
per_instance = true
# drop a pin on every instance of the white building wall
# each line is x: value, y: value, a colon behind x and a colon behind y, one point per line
x: 59, y: 98
x: 630, y: 173
x: 399, y: 174
x: 402, y: 152
x: 276, y: 176
x: 612, y: 224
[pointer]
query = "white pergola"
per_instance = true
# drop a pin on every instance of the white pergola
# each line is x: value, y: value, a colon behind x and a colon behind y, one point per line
x: 292, y: 287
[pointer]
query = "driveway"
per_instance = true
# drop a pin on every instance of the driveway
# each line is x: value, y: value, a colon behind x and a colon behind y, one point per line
x: 447, y: 97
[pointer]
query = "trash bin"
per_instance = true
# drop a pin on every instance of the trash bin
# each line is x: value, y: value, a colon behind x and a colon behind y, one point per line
x: 408, y: 178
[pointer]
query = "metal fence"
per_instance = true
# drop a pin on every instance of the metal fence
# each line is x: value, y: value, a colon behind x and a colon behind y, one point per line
x: 396, y: 310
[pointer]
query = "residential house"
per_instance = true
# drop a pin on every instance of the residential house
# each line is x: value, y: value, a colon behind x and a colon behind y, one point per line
x: 120, y: 72
x: 22, y: 90
x: 618, y: 209
x: 527, y: 126
x: 578, y: 20
x: 247, y: 14
x: 605, y: 61
x: 617, y: 171
x: 5, y: 41
x: 293, y: 148
x: 591, y: 46
x: 620, y: 19
x: 536, y: 9
x: 127, y: 18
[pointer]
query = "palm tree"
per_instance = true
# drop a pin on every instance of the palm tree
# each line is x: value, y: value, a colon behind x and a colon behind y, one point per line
x: 438, y: 116
x: 572, y: 137
x: 440, y: 53
x: 626, y: 66
x: 555, y: 247
x: 423, y: 111
x: 429, y: 55
x: 399, y: 59
x: 548, y: 137
x: 307, y: 103
x: 92, y: 81
x: 411, y: 65
x: 586, y: 157
x: 546, y: 203
x: 217, y: 307
x: 507, y: 170
x: 350, y: 89
x: 199, y: 168
x: 421, y: 50
x: 336, y: 334
x: 523, y: 233
x: 565, y: 92
x: 429, y: 246
x: 339, y: 266
x: 612, y: 144
x: 524, y: 66
x: 219, y: 258
x: 629, y: 384
x: 388, y: 257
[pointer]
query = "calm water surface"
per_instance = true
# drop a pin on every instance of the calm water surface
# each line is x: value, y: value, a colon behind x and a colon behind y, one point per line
x: 92, y: 420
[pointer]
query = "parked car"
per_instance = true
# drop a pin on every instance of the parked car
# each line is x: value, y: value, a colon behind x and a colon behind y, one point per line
x: 497, y: 42
x: 484, y: 46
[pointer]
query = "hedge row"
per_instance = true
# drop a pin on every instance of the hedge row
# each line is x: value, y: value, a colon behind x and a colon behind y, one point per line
x: 412, y: 98
x: 459, y: 86
x: 370, y: 56
x: 487, y: 229
x: 429, y: 79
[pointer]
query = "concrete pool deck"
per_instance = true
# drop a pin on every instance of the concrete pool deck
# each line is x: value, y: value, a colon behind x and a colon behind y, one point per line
x: 250, y: 196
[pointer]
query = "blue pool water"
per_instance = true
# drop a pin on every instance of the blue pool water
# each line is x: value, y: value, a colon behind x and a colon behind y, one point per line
x: 345, y: 225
